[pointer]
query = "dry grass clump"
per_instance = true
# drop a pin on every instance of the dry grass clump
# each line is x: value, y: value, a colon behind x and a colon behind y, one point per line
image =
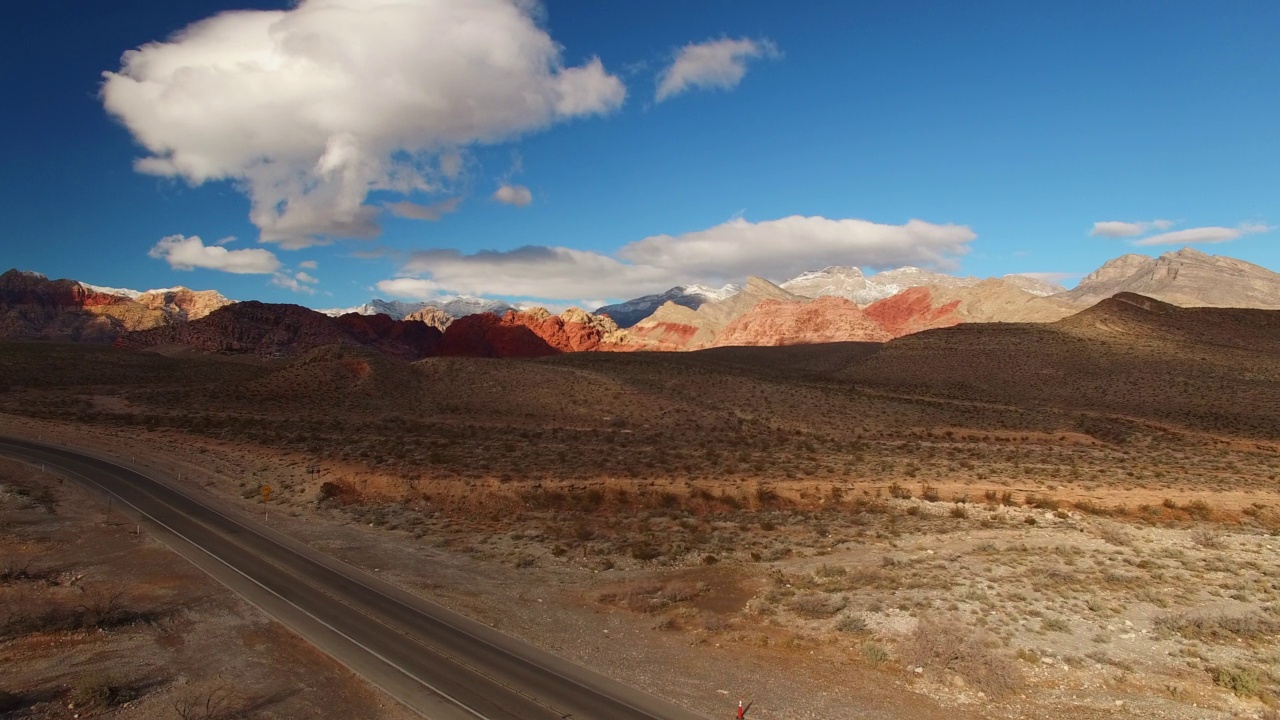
x: 944, y: 644
x: 1218, y: 627
x: 652, y: 597
x: 817, y: 605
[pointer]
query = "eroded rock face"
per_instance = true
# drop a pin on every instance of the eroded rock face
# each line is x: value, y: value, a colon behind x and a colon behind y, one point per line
x: 183, y: 304
x: 1185, y: 277
x: 911, y: 311
x: 825, y: 319
x: 433, y: 316
x: 674, y: 327
x: 487, y: 335
x: 35, y: 307
x: 532, y: 333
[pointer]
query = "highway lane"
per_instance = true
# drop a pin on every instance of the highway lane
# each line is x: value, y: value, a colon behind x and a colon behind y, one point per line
x: 439, y: 663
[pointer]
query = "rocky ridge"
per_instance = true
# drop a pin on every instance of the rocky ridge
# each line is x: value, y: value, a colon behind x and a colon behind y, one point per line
x: 1185, y: 277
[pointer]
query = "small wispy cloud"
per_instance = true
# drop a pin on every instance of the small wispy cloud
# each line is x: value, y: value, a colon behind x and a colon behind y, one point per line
x: 1191, y: 236
x: 295, y: 282
x: 714, y: 64
x: 432, y: 212
x: 517, y: 195
x: 1121, y: 229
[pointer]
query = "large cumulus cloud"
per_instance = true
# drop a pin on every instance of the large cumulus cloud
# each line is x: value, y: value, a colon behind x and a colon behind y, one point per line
x: 310, y: 109
x: 774, y: 249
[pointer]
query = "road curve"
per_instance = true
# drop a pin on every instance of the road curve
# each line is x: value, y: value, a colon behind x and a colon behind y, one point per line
x: 441, y: 664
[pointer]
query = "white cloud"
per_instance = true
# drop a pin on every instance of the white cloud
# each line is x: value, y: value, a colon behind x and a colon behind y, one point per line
x: 775, y: 249
x: 310, y: 109
x: 1119, y: 229
x: 785, y: 247
x: 712, y: 64
x: 1053, y: 278
x: 1204, y: 235
x: 295, y: 282
x: 414, y: 288
x: 432, y: 212
x: 517, y: 195
x: 309, y: 264
x: 189, y: 253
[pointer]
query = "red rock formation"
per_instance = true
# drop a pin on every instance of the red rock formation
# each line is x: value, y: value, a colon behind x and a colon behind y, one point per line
x: 532, y: 333
x: 663, y: 336
x: 823, y: 320
x: 33, y: 306
x: 487, y: 335
x: 911, y: 311
x: 397, y: 338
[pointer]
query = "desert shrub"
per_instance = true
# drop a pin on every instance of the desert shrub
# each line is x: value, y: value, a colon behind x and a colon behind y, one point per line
x: 1217, y: 626
x: 1206, y: 539
x: 1198, y: 509
x: 1116, y: 535
x: 816, y: 605
x: 96, y: 693
x: 851, y: 624
x: 642, y: 550
x: 329, y: 490
x: 945, y: 644
x: 1042, y: 502
x: 1243, y: 681
x: 875, y: 653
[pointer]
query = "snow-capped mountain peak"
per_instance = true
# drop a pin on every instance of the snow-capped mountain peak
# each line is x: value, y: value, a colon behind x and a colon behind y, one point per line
x: 629, y: 313
x: 456, y: 307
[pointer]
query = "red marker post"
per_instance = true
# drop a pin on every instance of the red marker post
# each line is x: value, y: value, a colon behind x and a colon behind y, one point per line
x: 742, y: 712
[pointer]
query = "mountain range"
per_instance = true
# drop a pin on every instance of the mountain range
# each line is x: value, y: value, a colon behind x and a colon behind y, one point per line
x: 829, y: 305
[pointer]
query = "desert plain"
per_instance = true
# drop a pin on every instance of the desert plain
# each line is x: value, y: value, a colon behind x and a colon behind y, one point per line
x: 984, y: 521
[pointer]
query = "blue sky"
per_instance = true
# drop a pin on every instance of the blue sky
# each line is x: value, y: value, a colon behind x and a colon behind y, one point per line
x: 640, y: 145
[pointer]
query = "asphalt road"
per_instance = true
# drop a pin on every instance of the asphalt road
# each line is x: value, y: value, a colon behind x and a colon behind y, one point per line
x: 435, y: 661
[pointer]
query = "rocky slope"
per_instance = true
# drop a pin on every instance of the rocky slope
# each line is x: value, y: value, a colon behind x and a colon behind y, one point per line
x: 532, y: 333
x: 433, y: 316
x: 999, y: 300
x: 675, y: 327
x: 823, y: 320
x: 182, y: 304
x: 1185, y: 277
x: 288, y: 330
x: 690, y: 296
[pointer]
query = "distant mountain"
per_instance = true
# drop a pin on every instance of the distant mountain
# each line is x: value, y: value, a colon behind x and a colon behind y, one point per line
x: 1185, y: 277
x: 851, y: 284
x: 690, y: 296
x: 268, y: 329
x: 677, y: 327
x: 1005, y: 300
x: 34, y: 307
x: 460, y: 306
x: 1034, y: 285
